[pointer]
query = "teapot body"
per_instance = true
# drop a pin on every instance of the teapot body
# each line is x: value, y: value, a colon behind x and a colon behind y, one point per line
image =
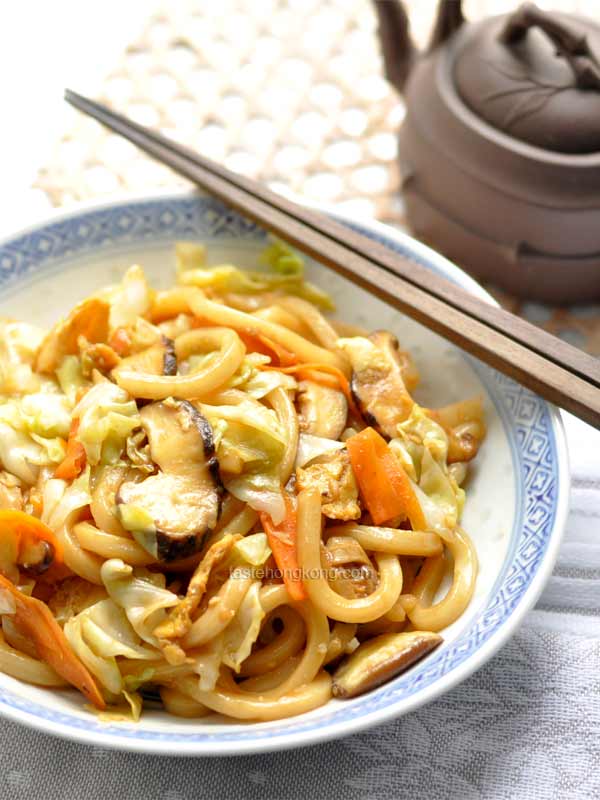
x: 523, y: 217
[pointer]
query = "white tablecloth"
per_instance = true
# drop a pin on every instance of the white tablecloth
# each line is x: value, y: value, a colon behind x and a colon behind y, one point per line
x: 525, y: 727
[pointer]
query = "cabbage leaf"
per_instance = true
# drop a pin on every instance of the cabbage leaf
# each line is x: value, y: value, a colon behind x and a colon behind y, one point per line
x: 62, y: 500
x: 253, y: 433
x: 286, y: 273
x: 130, y: 299
x: 141, y: 594
x: 98, y: 635
x: 243, y: 630
x: 107, y: 416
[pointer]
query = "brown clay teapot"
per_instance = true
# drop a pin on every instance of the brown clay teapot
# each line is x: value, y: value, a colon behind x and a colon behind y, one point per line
x: 500, y: 146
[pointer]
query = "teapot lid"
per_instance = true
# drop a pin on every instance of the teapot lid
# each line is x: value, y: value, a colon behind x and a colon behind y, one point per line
x: 535, y: 75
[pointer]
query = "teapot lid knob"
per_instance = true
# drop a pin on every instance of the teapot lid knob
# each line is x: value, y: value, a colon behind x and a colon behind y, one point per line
x: 535, y: 75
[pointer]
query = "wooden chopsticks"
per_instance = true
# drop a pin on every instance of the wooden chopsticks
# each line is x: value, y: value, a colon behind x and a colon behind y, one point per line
x: 550, y: 367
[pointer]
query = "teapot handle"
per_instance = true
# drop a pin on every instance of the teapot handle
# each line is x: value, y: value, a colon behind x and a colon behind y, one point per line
x: 570, y: 45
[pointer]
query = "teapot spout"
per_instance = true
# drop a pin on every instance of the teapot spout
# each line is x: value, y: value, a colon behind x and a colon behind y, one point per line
x: 398, y: 49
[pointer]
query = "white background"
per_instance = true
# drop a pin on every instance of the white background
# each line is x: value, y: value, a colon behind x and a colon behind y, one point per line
x: 45, y: 46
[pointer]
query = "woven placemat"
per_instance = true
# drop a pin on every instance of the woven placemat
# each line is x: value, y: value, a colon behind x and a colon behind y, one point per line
x: 288, y: 91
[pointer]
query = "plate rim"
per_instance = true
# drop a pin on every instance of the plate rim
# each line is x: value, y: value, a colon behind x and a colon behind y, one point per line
x: 342, y: 728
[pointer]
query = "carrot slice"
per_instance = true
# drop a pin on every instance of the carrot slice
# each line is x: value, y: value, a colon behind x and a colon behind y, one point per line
x: 259, y: 343
x: 34, y: 620
x: 282, y: 541
x: 26, y: 529
x: 74, y: 462
x: 384, y: 485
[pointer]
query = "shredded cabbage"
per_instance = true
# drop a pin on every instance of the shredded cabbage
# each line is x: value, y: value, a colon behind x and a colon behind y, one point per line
x: 282, y: 258
x: 253, y: 433
x: 19, y: 454
x: 261, y: 382
x: 141, y: 594
x: 128, y: 711
x: 130, y: 299
x: 61, y: 500
x: 234, y: 645
x: 252, y: 550
x: 243, y: 630
x: 430, y: 433
x: 286, y: 273
x: 436, y: 484
x: 138, y: 452
x: 207, y: 663
x: 227, y: 278
x: 409, y: 454
x: 261, y: 490
x: 19, y: 343
x: 31, y: 432
x: 54, y: 450
x: 45, y: 414
x: 107, y: 416
x: 422, y: 446
x: 98, y: 635
x: 70, y: 378
x: 311, y: 447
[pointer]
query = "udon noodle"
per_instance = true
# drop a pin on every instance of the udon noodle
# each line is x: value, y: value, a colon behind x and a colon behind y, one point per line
x: 215, y: 499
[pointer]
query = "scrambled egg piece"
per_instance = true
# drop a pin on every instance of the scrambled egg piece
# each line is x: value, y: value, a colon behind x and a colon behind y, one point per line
x: 332, y: 475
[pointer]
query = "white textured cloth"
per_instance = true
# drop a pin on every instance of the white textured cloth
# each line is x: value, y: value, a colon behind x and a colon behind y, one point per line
x: 526, y: 726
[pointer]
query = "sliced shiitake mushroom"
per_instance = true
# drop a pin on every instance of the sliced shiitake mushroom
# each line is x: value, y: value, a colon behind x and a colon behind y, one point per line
x: 322, y: 410
x: 36, y: 557
x: 381, y: 374
x: 169, y: 513
x: 158, y: 359
x: 377, y: 660
x: 349, y: 570
x: 464, y: 423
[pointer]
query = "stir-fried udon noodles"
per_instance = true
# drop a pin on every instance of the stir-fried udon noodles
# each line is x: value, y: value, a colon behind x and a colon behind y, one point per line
x: 216, y: 498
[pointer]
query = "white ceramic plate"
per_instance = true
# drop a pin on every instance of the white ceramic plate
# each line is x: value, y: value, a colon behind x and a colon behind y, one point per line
x: 516, y: 497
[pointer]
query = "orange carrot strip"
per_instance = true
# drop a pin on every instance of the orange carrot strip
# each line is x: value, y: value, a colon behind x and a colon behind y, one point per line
x: 282, y: 541
x: 27, y: 530
x: 259, y: 343
x: 285, y: 357
x: 73, y: 463
x: 255, y: 343
x: 384, y: 485
x: 34, y: 620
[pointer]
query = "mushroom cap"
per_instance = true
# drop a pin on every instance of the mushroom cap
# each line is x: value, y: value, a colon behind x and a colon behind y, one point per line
x: 170, y: 512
